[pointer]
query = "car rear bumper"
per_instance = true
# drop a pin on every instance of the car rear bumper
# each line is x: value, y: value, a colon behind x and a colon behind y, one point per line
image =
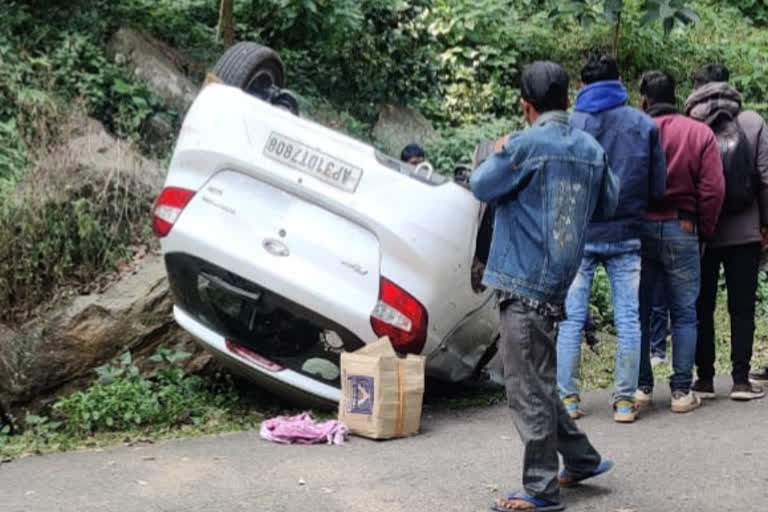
x: 281, y: 381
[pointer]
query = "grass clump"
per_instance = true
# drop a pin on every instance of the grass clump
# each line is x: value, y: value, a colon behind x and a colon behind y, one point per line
x: 124, y: 405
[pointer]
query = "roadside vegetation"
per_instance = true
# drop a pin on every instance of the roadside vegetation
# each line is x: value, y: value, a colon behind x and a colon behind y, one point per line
x: 456, y: 61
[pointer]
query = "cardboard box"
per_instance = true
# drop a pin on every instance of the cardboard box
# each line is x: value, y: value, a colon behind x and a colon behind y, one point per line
x: 381, y: 392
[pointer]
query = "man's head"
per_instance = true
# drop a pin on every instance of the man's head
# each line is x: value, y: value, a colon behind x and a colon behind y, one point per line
x: 412, y: 154
x: 657, y: 87
x: 711, y: 73
x: 599, y: 67
x: 544, y: 87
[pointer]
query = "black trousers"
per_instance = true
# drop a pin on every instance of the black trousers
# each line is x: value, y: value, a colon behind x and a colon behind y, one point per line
x: 741, y: 263
x: 528, y: 350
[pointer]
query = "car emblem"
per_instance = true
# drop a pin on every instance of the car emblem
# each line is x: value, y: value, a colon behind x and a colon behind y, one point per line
x: 275, y: 247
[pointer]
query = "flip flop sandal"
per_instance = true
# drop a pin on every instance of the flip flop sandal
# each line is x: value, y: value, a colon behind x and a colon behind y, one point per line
x: 541, y: 505
x: 568, y: 479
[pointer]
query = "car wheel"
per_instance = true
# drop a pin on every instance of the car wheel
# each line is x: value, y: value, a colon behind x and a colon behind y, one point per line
x: 251, y: 67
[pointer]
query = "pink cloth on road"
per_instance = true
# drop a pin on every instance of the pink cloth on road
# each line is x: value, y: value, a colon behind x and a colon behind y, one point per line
x: 302, y: 429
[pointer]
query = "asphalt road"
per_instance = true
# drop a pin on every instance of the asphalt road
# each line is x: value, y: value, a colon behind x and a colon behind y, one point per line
x: 715, y: 459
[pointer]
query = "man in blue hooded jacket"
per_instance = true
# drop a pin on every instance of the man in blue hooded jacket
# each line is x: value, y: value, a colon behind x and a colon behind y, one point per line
x: 631, y: 141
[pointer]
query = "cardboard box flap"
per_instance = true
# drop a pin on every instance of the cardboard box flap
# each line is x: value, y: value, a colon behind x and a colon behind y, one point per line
x: 380, y: 348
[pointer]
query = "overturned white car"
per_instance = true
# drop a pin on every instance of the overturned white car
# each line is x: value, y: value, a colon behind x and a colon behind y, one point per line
x: 287, y: 243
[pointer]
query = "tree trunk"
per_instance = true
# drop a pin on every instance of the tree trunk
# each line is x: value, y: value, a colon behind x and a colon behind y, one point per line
x: 616, y: 35
x: 225, y: 31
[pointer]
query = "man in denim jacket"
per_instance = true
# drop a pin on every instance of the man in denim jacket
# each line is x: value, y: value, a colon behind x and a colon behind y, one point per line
x: 632, y: 143
x: 546, y: 184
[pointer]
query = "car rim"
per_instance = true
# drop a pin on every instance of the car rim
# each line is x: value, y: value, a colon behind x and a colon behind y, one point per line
x: 263, y: 79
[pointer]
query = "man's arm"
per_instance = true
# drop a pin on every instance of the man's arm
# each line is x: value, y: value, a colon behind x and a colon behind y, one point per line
x: 608, y: 199
x: 499, y: 175
x: 710, y: 192
x: 761, y: 162
x: 658, y: 170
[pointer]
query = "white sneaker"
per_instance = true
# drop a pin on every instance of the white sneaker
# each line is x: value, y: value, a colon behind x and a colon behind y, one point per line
x: 643, y: 397
x: 685, y: 402
x: 656, y: 361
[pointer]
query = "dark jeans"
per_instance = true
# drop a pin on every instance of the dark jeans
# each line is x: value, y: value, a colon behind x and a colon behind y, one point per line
x: 670, y: 255
x: 659, y: 321
x: 741, y: 264
x: 528, y: 350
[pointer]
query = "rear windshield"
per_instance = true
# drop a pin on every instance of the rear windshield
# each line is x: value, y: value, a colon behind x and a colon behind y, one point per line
x: 421, y: 174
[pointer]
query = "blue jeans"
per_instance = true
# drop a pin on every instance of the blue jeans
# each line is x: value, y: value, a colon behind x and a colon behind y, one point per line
x: 622, y: 263
x: 671, y: 255
x: 659, y: 321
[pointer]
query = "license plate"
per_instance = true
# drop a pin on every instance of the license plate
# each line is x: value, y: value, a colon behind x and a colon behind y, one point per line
x: 313, y: 162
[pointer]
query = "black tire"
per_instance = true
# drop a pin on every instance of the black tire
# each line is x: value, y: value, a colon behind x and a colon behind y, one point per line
x: 251, y: 67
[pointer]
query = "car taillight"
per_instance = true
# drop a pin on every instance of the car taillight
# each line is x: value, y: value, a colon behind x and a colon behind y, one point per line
x: 168, y: 207
x: 401, y: 317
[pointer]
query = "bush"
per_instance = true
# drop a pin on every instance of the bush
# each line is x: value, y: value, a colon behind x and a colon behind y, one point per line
x: 457, y: 144
x: 122, y: 399
x: 50, y: 237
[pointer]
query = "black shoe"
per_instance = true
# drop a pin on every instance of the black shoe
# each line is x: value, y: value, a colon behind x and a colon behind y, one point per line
x: 759, y: 377
x: 704, y: 389
x: 746, y: 392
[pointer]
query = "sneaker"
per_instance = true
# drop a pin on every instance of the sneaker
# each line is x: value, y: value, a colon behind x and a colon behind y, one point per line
x: 573, y: 406
x: 685, y: 402
x: 624, y: 411
x: 704, y: 389
x: 759, y: 377
x: 643, y: 397
x: 657, y: 360
x: 746, y: 392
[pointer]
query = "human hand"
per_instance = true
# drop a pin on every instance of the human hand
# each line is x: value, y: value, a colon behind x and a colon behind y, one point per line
x: 499, y: 146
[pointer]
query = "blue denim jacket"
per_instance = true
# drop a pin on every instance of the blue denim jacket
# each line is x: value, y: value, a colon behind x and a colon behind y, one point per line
x: 547, y: 184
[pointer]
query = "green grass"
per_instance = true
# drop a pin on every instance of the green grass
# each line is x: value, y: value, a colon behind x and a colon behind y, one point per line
x: 597, y: 368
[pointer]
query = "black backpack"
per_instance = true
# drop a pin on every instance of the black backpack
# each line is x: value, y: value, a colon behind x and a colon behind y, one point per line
x: 738, y: 165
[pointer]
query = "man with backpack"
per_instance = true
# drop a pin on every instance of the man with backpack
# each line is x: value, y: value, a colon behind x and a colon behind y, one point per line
x: 738, y: 239
x: 674, y: 224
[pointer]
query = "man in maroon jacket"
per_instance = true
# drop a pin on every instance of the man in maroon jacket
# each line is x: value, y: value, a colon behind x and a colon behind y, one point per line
x: 688, y: 210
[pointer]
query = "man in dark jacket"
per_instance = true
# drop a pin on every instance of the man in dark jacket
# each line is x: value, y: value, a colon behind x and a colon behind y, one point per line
x: 546, y: 183
x: 738, y: 238
x: 690, y: 207
x: 631, y: 141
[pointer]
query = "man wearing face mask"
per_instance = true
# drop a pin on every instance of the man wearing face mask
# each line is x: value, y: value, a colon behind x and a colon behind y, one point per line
x: 546, y: 183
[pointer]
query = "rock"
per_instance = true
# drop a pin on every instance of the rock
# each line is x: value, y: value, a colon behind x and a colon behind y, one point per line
x: 157, y: 133
x: 398, y: 126
x: 157, y: 64
x: 89, y: 148
x: 57, y: 352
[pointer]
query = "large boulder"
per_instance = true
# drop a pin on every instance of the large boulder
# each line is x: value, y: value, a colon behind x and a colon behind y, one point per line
x: 127, y: 309
x: 57, y: 352
x: 87, y: 149
x: 398, y: 126
x: 161, y: 67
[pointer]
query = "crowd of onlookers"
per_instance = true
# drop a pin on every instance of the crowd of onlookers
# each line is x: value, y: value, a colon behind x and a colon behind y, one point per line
x: 663, y: 196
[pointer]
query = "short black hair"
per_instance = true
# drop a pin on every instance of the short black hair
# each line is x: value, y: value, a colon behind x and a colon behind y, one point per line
x: 714, y: 72
x: 599, y: 66
x: 411, y: 151
x: 658, y: 87
x: 544, y: 85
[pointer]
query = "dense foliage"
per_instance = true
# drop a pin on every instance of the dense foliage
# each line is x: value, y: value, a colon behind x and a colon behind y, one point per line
x: 458, y: 61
